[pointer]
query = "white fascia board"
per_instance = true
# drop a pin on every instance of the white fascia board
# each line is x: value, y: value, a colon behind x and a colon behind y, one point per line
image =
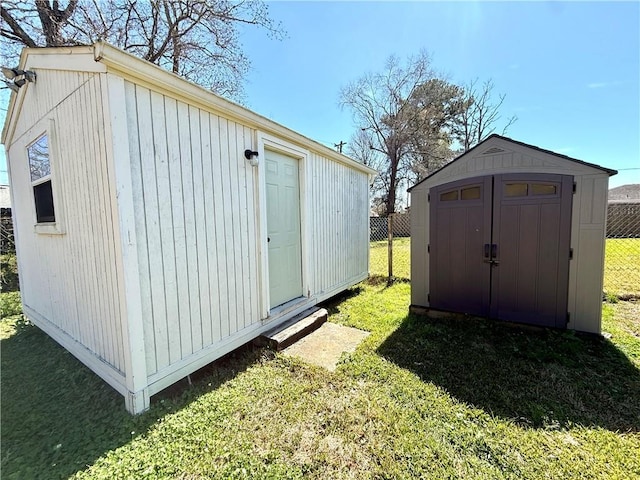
x: 15, y: 103
x: 77, y: 59
x: 152, y: 76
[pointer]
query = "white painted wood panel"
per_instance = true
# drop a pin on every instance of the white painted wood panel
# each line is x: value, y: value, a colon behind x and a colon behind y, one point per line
x: 125, y: 248
x: 70, y: 280
x: 339, y: 224
x: 50, y: 89
x: 196, y: 222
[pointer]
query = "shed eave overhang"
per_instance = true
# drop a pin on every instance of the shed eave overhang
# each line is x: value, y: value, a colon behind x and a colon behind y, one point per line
x: 73, y: 58
x: 147, y: 74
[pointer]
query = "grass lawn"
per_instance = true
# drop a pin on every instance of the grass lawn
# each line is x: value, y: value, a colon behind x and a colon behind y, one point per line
x: 622, y: 267
x: 378, y: 259
x: 418, y: 399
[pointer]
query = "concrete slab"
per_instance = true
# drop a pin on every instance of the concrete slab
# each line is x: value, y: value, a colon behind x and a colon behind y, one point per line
x: 324, y: 346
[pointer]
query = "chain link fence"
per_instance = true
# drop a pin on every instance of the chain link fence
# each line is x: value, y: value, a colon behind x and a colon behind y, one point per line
x: 622, y: 257
x: 390, y: 242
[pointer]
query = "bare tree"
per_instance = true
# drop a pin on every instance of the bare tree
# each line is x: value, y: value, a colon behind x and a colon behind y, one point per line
x: 359, y: 148
x: 480, y: 115
x: 404, y: 110
x: 198, y: 39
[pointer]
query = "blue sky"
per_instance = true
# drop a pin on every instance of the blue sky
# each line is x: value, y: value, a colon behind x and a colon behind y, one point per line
x: 570, y: 71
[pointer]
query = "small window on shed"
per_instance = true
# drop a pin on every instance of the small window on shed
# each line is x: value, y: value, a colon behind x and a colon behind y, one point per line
x: 449, y: 196
x: 543, y: 189
x: 40, y: 169
x: 516, y: 190
x: 471, y: 193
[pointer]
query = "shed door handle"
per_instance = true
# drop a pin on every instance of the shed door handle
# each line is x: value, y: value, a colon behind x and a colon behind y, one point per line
x: 490, y: 253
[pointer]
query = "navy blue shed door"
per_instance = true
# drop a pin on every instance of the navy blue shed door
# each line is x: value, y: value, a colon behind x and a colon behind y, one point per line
x: 499, y: 247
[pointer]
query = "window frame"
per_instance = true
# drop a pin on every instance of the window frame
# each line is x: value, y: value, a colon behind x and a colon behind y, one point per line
x: 55, y: 227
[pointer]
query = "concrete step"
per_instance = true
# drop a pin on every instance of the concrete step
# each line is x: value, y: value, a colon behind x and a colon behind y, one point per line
x: 293, y: 329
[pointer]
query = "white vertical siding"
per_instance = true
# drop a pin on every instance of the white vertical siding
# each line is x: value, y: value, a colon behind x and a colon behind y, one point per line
x: 71, y: 280
x: 339, y: 214
x: 50, y: 89
x: 195, y: 212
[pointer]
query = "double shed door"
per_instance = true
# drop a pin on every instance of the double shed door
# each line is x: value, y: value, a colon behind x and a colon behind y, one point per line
x: 499, y: 247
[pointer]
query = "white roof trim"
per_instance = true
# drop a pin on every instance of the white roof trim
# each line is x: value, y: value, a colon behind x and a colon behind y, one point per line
x: 113, y: 60
x: 142, y: 72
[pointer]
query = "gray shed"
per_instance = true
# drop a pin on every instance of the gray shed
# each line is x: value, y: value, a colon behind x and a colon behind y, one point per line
x: 513, y: 232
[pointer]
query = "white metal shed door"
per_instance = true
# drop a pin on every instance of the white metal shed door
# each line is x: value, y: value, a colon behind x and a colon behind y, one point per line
x: 283, y: 228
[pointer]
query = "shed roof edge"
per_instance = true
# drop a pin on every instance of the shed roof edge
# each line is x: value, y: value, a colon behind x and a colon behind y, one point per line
x: 609, y: 171
x: 120, y: 62
x: 133, y: 68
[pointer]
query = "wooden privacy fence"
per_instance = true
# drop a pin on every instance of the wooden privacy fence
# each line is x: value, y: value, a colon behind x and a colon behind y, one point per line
x: 623, y: 220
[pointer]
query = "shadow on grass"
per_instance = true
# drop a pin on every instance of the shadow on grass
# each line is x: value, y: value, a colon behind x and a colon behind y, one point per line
x: 58, y: 417
x: 542, y: 378
x: 332, y: 304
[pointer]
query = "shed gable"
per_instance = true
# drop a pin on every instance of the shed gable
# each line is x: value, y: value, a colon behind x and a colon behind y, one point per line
x: 502, y: 155
x: 58, y: 75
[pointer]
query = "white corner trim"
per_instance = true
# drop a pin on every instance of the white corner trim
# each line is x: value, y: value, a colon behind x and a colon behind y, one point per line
x: 118, y: 152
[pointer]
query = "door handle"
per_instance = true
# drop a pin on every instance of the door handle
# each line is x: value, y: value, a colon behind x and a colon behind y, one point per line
x: 490, y: 253
x: 268, y: 239
x: 494, y: 253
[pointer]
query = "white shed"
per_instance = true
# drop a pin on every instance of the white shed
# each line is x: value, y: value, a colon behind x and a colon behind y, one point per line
x: 514, y: 232
x: 149, y: 242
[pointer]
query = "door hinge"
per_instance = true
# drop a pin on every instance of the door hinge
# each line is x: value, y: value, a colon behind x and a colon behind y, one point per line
x: 568, y: 317
x: 574, y: 187
x: 571, y: 254
x: 429, y: 248
x: 428, y: 197
x: 429, y: 297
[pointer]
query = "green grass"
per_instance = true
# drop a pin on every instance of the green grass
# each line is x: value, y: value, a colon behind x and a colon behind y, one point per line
x: 622, y: 267
x: 621, y: 275
x: 379, y: 258
x: 418, y: 399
